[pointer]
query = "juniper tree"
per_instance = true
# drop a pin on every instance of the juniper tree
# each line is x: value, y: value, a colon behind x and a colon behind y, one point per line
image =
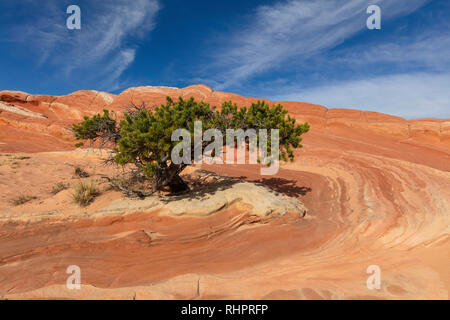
x: 143, y: 138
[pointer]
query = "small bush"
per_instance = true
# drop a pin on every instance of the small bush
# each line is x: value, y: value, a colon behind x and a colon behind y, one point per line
x: 22, y: 199
x: 130, y: 185
x: 84, y: 193
x: 120, y: 183
x: 59, y: 187
x: 22, y: 157
x: 81, y: 173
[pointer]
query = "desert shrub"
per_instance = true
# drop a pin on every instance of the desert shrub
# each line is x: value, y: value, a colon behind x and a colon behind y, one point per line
x: 143, y: 139
x: 120, y: 183
x: 130, y: 184
x: 81, y: 173
x: 59, y: 187
x: 22, y: 157
x: 84, y: 193
x: 21, y: 199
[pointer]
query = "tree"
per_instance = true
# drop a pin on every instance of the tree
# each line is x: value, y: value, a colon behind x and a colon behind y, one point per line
x: 143, y: 138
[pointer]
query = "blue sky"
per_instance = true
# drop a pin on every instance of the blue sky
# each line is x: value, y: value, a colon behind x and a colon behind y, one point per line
x: 301, y: 50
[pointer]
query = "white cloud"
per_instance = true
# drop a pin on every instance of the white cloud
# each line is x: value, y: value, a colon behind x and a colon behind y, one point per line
x: 117, y: 66
x: 419, y: 95
x: 111, y: 24
x: 296, y: 29
x: 287, y: 35
x: 427, y: 49
x: 102, y: 40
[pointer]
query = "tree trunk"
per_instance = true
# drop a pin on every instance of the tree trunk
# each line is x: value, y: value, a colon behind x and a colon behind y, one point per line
x: 177, y: 185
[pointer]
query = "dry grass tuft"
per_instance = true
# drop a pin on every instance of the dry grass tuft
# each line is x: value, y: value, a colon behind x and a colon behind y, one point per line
x: 59, y: 187
x: 22, y: 199
x: 84, y: 193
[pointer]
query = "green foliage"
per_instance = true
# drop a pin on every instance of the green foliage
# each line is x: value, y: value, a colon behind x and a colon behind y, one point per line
x: 146, y: 135
x: 143, y: 137
x: 97, y: 127
x: 261, y: 116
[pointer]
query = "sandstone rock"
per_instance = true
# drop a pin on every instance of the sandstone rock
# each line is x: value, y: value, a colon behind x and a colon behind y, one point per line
x: 372, y: 199
x: 64, y: 110
x: 256, y: 199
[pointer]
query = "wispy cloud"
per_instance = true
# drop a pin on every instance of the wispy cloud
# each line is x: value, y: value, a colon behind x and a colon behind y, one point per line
x: 102, y: 40
x: 407, y: 74
x: 418, y: 95
x: 295, y: 30
x: 402, y: 72
x: 116, y: 67
x: 426, y: 49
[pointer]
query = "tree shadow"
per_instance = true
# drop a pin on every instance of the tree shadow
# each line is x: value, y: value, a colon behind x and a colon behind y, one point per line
x: 203, y: 183
x: 285, y: 186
